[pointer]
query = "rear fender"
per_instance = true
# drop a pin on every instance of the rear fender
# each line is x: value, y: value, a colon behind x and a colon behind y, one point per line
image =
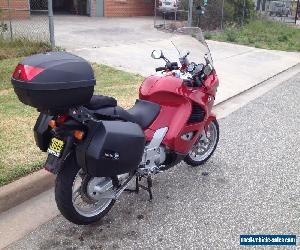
x: 54, y: 164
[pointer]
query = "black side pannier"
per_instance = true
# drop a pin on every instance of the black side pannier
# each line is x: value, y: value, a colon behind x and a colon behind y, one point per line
x: 54, y: 81
x: 42, y: 130
x: 108, y: 150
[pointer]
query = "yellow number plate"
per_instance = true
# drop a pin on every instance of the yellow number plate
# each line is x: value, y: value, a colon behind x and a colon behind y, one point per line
x: 56, y: 147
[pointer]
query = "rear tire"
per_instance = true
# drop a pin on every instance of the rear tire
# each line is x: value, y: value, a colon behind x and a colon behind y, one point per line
x: 64, y: 195
x: 195, y: 160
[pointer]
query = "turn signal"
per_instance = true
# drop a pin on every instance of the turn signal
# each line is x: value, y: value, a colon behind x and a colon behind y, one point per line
x: 52, y: 124
x: 78, y: 135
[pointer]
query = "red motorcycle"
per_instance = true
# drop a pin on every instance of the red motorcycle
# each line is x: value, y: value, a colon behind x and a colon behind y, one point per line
x: 96, y: 147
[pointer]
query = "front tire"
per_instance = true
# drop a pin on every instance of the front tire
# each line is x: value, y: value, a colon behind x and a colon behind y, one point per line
x: 64, y: 196
x: 202, y: 150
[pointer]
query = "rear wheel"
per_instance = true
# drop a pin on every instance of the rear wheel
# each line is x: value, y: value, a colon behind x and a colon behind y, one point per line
x: 77, y: 195
x: 204, y: 147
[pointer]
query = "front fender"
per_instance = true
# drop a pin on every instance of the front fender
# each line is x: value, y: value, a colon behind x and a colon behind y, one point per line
x: 211, y: 118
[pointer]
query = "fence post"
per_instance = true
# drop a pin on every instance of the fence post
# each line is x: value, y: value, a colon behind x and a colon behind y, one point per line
x: 51, y: 24
x: 155, y: 3
x: 297, y: 10
x: 244, y: 7
x: 9, y: 17
x: 190, y: 14
x: 222, y: 15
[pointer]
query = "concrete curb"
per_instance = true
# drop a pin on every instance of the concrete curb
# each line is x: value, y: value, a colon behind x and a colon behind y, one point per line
x: 25, y: 188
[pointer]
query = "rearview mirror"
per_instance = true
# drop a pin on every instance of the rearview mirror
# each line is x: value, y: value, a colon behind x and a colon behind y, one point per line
x: 157, y: 54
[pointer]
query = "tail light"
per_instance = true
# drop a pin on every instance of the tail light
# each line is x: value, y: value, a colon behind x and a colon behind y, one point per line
x: 62, y: 118
x: 26, y: 73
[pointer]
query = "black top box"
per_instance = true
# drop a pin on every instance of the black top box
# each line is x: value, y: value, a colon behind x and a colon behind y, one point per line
x: 54, y: 81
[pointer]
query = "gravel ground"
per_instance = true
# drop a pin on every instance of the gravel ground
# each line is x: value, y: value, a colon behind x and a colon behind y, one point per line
x: 250, y: 186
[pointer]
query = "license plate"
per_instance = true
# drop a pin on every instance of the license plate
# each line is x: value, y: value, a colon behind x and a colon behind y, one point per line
x: 56, y: 147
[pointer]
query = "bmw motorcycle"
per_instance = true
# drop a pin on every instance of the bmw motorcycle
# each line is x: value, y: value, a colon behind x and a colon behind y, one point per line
x: 95, y: 147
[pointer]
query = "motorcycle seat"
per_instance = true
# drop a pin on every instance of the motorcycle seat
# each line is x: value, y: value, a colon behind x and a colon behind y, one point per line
x: 101, y: 101
x: 142, y: 113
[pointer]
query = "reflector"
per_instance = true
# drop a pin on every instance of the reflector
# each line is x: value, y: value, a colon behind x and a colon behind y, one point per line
x: 62, y: 118
x: 52, y: 124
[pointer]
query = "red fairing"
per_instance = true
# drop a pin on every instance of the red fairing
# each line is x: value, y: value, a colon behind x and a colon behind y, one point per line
x: 176, y: 101
x: 25, y: 72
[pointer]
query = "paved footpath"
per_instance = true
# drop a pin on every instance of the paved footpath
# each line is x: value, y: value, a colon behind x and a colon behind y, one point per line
x: 250, y: 186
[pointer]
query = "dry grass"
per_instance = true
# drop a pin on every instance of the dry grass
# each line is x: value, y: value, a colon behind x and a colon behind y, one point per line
x: 6, y: 69
x: 21, y: 47
x: 19, y: 155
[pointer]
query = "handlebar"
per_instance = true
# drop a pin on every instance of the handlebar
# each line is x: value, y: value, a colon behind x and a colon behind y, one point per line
x: 169, y: 66
x: 192, y: 77
x: 160, y: 69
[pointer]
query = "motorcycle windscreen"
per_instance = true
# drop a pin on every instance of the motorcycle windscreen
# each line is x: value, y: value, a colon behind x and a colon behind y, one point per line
x: 187, y: 40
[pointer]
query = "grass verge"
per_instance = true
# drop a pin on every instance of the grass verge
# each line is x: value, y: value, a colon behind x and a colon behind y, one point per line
x: 19, y: 155
x: 261, y: 33
x: 21, y: 47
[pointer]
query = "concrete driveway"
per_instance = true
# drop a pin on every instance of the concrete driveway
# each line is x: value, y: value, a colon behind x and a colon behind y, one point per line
x: 127, y: 43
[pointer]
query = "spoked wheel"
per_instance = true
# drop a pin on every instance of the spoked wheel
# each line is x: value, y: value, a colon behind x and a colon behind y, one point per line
x: 80, y: 198
x: 204, y: 147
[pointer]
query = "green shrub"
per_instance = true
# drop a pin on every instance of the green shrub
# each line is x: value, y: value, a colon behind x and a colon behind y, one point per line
x: 231, y: 35
x: 283, y: 38
x: 207, y: 35
x: 262, y: 33
x: 212, y: 18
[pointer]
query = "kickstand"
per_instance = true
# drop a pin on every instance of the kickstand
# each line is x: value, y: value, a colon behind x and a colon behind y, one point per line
x: 138, y: 186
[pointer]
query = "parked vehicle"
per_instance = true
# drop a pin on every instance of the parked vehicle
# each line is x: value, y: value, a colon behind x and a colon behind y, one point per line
x: 168, y: 7
x: 96, y: 147
x: 279, y: 8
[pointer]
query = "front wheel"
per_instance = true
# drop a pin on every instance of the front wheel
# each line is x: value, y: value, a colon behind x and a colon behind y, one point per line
x: 76, y: 194
x: 203, y: 148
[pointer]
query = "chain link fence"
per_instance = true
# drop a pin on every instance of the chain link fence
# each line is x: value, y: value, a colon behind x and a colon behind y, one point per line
x: 279, y: 10
x: 206, y: 14
x: 170, y: 14
x: 217, y: 14
x: 24, y: 20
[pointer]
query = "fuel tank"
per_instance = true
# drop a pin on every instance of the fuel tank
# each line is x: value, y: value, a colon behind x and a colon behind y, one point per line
x: 155, y: 86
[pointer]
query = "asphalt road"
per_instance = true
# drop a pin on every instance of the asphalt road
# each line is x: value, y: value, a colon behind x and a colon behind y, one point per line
x: 250, y: 186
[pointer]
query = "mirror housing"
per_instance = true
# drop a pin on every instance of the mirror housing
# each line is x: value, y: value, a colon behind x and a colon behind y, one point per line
x: 157, y: 54
x: 208, y: 69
